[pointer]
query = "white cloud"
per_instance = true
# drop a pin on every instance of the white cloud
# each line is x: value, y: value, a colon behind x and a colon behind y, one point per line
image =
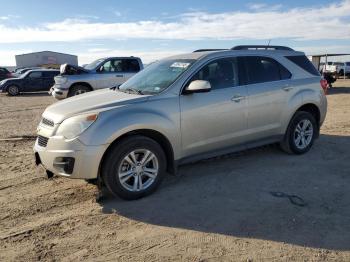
x: 8, y: 17
x: 264, y: 7
x: 323, y: 22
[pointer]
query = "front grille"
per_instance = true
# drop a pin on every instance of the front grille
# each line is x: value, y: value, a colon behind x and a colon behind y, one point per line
x: 42, y: 141
x: 47, y: 122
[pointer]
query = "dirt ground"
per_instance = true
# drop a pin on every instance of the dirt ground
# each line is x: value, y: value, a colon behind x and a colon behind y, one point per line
x: 214, y: 210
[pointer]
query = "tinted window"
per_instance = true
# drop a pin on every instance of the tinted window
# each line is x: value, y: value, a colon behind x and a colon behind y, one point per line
x: 130, y: 65
x: 121, y: 65
x: 304, y: 63
x: 220, y: 73
x: 263, y: 69
x: 35, y: 74
x: 50, y: 74
x: 348, y: 63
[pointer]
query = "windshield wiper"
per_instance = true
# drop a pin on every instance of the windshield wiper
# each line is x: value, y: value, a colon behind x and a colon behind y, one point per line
x: 132, y: 90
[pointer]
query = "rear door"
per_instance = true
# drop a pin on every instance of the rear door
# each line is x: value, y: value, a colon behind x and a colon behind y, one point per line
x: 268, y: 85
x: 48, y: 80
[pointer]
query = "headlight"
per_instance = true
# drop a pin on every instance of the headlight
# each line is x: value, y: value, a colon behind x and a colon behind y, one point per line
x: 61, y: 80
x: 74, y: 126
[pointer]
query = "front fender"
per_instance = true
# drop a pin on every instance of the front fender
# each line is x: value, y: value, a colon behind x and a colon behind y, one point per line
x: 111, y: 125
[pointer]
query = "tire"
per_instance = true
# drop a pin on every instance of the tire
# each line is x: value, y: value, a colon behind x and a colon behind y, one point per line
x: 121, y: 161
x: 13, y: 90
x: 78, y: 90
x: 296, y: 129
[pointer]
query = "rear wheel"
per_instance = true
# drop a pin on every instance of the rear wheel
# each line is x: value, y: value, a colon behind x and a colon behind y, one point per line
x: 78, y: 90
x: 134, y: 167
x: 13, y: 90
x: 301, y: 133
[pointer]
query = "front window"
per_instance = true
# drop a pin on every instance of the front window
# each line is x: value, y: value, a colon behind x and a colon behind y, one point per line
x: 157, y: 77
x: 94, y: 64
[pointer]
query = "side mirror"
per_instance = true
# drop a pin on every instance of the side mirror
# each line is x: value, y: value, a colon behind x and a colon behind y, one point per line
x: 198, y: 86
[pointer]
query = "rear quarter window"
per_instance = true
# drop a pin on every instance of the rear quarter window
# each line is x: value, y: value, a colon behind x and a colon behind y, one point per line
x: 303, y: 62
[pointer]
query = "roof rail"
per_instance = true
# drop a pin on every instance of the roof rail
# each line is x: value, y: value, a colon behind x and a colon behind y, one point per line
x: 205, y: 50
x: 262, y: 47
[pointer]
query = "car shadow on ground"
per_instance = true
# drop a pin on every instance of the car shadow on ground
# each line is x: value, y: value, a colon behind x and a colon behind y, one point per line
x: 231, y: 196
x: 34, y: 94
x: 338, y: 90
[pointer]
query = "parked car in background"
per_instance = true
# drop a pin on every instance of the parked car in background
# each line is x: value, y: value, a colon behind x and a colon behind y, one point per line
x: 31, y: 81
x: 4, y: 73
x: 181, y: 109
x: 342, y: 68
x: 328, y: 68
x: 102, y: 73
x: 24, y: 70
x: 335, y: 68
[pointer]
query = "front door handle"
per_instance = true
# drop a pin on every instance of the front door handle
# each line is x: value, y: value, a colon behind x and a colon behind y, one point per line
x: 287, y: 88
x: 119, y: 75
x: 237, y: 98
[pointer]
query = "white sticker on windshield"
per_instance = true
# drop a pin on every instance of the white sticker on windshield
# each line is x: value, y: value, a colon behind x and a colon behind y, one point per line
x: 180, y: 65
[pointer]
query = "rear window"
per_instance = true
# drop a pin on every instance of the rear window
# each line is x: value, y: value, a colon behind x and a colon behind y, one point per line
x: 303, y: 62
x: 264, y: 69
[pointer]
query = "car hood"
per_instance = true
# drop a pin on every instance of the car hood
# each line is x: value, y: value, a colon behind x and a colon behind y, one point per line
x: 68, y: 69
x: 96, y: 101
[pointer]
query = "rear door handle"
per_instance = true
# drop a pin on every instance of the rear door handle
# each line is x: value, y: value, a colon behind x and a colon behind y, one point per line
x: 237, y: 98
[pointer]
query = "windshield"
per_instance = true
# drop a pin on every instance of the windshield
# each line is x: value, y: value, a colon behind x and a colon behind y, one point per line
x: 23, y: 75
x: 157, y: 76
x: 93, y: 65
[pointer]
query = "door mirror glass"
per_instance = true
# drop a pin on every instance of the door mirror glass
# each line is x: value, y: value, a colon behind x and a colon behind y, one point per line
x: 198, y: 86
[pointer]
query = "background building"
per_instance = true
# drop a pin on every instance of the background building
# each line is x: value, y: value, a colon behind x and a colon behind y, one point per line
x: 46, y: 59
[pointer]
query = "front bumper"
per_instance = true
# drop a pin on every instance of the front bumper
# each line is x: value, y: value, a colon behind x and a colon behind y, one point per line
x: 69, y: 158
x: 57, y: 92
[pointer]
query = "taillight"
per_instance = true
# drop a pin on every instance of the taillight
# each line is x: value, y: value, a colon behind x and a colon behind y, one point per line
x: 324, y: 85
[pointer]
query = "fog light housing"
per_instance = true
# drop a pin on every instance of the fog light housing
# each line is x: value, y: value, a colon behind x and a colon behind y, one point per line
x: 65, y: 164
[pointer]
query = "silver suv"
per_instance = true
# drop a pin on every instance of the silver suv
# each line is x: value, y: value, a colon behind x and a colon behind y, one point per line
x: 181, y: 109
x: 102, y: 73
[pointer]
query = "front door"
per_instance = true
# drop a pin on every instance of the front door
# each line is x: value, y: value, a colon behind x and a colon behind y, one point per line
x: 216, y: 119
x: 33, y: 82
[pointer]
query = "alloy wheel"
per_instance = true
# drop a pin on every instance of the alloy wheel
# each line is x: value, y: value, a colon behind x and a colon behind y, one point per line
x: 303, y: 134
x: 138, y: 170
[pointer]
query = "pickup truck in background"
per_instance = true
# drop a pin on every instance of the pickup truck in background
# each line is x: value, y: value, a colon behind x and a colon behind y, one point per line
x: 102, y: 73
x: 335, y: 68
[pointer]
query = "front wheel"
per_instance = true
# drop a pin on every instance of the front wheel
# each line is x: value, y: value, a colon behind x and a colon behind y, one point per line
x: 78, y: 90
x: 13, y: 90
x: 301, y: 133
x: 134, y: 167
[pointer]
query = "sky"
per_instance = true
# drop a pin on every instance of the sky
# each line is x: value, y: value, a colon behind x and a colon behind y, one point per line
x: 156, y: 28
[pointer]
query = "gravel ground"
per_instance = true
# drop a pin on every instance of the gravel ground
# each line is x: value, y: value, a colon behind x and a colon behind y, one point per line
x: 219, y: 209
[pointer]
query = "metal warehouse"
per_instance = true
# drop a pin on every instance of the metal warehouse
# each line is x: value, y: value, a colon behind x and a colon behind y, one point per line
x: 45, y: 59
